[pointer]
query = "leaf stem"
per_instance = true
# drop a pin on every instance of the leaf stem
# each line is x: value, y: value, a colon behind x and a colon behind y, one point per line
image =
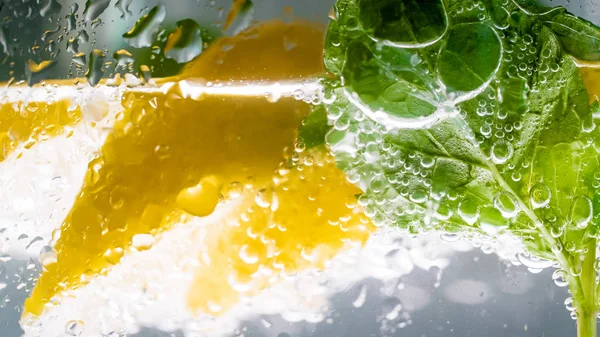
x: 586, y: 324
x: 588, y: 275
x: 560, y: 255
x: 587, y: 307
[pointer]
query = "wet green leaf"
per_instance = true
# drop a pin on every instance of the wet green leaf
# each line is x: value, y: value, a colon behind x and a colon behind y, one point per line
x: 486, y: 130
x: 577, y: 36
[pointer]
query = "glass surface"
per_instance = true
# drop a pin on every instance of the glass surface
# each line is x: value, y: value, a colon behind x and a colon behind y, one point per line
x: 397, y: 285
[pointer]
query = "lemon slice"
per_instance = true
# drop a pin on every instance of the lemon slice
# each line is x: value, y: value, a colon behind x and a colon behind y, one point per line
x: 300, y: 220
x: 169, y: 158
x: 591, y: 77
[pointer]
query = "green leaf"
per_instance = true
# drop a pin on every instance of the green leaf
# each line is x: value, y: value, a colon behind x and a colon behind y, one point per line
x: 314, y: 127
x: 510, y: 145
x: 470, y: 57
x: 578, y: 37
x: 408, y: 23
x: 398, y: 89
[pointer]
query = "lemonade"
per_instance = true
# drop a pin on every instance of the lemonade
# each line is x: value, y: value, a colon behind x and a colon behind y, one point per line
x: 210, y: 169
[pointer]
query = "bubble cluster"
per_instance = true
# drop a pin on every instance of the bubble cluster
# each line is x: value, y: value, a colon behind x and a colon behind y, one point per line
x: 436, y: 148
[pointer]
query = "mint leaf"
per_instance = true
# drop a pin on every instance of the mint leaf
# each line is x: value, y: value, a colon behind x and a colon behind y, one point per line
x: 410, y: 23
x: 470, y: 57
x: 482, y: 131
x: 314, y: 127
x: 578, y: 37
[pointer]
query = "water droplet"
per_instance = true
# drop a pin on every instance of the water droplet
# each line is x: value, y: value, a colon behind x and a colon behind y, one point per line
x: 534, y: 263
x: 201, y: 199
x: 418, y: 196
x: 143, y: 33
x: 123, y: 57
x: 239, y: 17
x: 265, y: 322
x: 560, y: 278
x: 51, y: 7
x: 37, y: 72
x: 74, y: 328
x: 95, y: 66
x: 299, y: 145
x: 235, y: 189
x: 443, y: 212
x: 500, y: 16
x: 361, y: 298
x: 79, y: 59
x: 48, y: 256
x: 247, y: 255
x: 162, y: 151
x: 94, y: 8
x: 581, y: 211
x: 185, y: 43
x: 123, y: 7
x: 427, y: 162
x: 575, y: 270
x: 390, y: 308
x: 570, y: 304
x: 415, y: 60
x: 507, y: 204
x: 114, y: 255
x: 265, y: 198
x: 468, y: 210
x: 492, y: 221
x: 142, y: 241
x: 501, y: 152
x: 540, y: 195
x: 450, y: 237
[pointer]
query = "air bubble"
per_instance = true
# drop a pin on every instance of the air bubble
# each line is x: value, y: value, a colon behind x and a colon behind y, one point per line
x: 540, y: 195
x: 247, y: 255
x: 468, y: 210
x: 560, y: 278
x: 507, y: 204
x: 235, y: 189
x: 501, y: 152
x: 265, y: 198
x: 361, y: 298
x: 142, y: 241
x: 418, y: 196
x: 74, y: 328
x: 48, y: 256
x: 581, y: 211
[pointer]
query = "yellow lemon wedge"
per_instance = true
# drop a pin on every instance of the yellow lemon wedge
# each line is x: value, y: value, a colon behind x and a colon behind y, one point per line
x: 169, y: 156
x: 300, y: 220
x: 591, y: 77
x: 25, y: 123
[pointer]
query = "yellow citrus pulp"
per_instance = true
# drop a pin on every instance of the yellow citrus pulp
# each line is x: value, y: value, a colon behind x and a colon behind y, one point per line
x: 168, y: 158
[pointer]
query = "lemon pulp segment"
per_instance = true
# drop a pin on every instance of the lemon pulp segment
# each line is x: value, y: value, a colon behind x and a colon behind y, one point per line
x: 591, y: 77
x: 26, y: 123
x: 162, y: 144
x: 302, y: 219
